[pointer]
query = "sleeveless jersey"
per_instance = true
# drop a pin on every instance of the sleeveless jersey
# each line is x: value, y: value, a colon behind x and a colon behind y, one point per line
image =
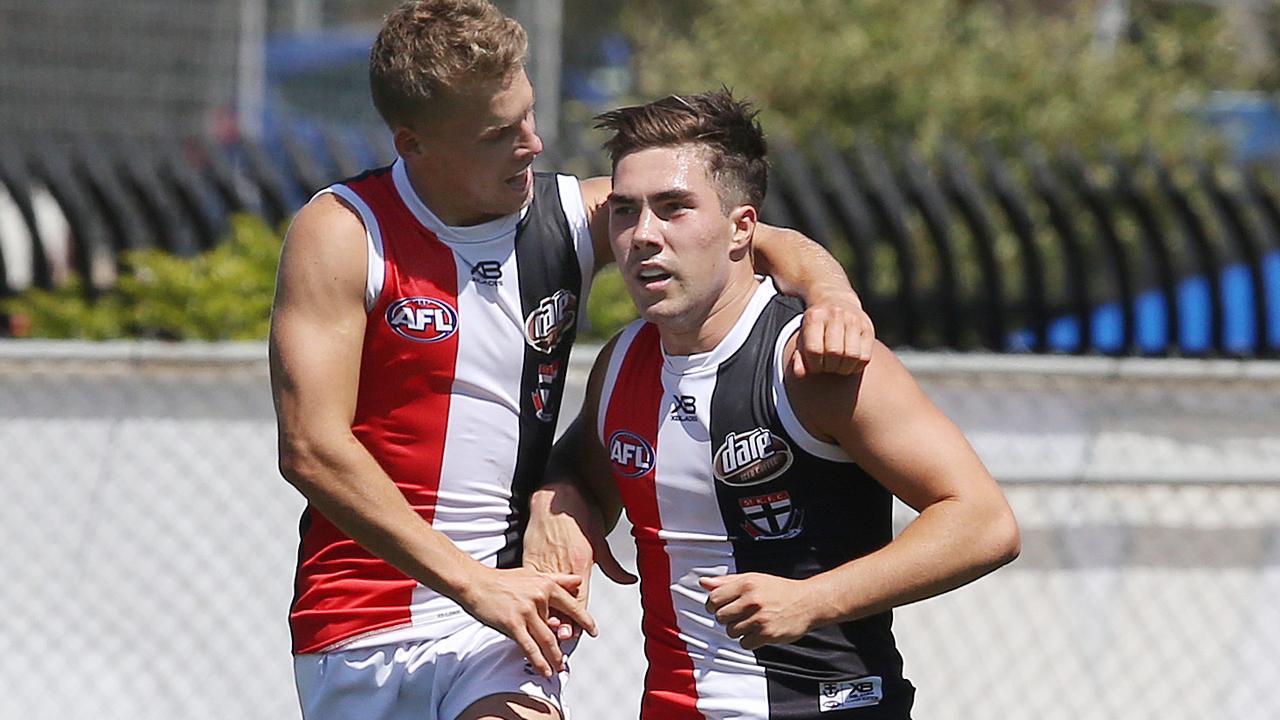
x: 463, y: 366
x: 718, y: 476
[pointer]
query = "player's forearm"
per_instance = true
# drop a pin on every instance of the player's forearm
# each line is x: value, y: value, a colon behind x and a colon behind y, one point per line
x: 799, y: 266
x: 344, y: 483
x: 584, y: 485
x: 952, y: 542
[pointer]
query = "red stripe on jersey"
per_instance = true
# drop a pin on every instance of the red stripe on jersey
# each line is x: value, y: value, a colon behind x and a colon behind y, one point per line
x: 402, y: 409
x: 633, y: 413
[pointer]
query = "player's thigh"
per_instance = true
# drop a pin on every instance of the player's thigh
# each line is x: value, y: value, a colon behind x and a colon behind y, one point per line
x: 495, y: 681
x: 510, y: 706
x: 371, y: 684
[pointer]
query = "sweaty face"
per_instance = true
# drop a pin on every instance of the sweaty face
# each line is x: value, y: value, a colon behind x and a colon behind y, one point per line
x: 475, y: 158
x: 675, y: 246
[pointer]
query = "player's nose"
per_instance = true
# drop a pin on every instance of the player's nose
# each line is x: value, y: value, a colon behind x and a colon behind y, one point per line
x: 530, y: 142
x: 647, y: 229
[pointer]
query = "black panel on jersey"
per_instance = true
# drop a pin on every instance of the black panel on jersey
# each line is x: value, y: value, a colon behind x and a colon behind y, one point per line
x: 548, y: 264
x: 814, y: 516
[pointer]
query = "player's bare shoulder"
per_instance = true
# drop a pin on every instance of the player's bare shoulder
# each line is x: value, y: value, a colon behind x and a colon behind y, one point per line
x: 825, y: 403
x: 595, y: 196
x: 595, y: 191
x: 324, y: 253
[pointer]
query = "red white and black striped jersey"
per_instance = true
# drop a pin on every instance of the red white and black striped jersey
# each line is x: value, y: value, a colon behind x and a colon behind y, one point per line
x: 718, y: 476
x: 465, y: 352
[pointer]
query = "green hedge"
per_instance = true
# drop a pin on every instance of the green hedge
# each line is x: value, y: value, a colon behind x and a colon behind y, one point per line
x: 224, y: 294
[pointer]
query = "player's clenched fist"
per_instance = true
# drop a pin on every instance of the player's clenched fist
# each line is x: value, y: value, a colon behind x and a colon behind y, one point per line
x: 836, y: 336
x: 518, y: 604
x: 762, y: 609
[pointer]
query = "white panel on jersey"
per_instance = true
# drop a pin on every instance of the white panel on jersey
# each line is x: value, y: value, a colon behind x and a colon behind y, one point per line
x: 787, y: 414
x: 698, y: 547
x: 483, y: 427
x: 575, y: 210
x: 729, y: 681
x: 376, y: 269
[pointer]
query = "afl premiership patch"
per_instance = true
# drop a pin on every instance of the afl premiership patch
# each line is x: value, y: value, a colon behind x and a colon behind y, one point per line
x: 422, y: 319
x: 751, y: 458
x: 547, y: 325
x: 630, y: 454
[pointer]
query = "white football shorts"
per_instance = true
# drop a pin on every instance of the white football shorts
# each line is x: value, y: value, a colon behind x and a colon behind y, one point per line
x: 420, y: 680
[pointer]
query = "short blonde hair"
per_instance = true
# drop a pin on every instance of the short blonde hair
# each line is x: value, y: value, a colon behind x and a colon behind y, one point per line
x: 428, y: 49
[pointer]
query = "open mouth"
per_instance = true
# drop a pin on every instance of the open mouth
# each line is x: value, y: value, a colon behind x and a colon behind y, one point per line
x: 653, y: 277
x: 520, y: 181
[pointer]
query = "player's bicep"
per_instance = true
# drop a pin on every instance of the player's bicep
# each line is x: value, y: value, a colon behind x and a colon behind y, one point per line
x: 903, y: 440
x: 318, y: 319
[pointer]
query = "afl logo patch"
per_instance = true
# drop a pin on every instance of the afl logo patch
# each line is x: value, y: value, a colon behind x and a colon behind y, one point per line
x: 630, y: 454
x: 547, y: 325
x: 751, y: 458
x: 422, y: 319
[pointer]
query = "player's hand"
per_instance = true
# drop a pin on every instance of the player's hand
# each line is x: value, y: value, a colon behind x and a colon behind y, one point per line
x: 519, y: 602
x: 564, y: 536
x: 760, y: 609
x: 836, y: 336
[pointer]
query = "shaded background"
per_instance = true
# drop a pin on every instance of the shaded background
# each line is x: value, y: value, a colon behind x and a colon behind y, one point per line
x: 1063, y: 177
x: 1066, y: 214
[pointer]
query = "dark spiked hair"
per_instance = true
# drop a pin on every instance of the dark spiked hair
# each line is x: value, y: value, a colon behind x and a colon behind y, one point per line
x: 726, y: 128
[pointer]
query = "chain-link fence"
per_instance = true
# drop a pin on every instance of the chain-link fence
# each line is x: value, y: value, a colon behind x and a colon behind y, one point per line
x: 147, y: 543
x: 139, y: 70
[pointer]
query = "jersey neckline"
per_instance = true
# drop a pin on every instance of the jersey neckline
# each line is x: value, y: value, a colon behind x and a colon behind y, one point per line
x: 470, y: 234
x: 711, y: 359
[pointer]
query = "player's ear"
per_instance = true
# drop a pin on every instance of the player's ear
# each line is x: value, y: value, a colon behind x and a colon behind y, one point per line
x: 743, y: 219
x: 406, y: 142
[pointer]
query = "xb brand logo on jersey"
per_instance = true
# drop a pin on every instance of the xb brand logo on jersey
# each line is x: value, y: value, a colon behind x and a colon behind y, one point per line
x: 771, y: 517
x: 631, y: 455
x: 547, y: 373
x: 751, y: 458
x: 487, y: 272
x: 422, y: 319
x: 684, y: 408
x: 847, y: 694
x: 548, y: 324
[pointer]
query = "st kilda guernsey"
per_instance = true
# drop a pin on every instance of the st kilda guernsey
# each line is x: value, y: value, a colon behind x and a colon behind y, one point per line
x: 718, y: 476
x: 464, y: 361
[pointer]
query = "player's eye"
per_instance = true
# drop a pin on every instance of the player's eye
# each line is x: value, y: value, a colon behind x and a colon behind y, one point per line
x: 673, y: 208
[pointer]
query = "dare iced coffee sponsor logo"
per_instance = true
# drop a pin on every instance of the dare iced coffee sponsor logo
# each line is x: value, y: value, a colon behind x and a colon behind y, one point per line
x: 751, y: 458
x: 551, y: 321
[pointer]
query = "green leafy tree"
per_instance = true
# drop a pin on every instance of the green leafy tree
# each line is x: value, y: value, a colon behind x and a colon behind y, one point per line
x: 935, y: 69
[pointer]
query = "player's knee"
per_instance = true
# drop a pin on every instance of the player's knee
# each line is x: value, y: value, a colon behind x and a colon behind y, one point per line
x: 510, y: 706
